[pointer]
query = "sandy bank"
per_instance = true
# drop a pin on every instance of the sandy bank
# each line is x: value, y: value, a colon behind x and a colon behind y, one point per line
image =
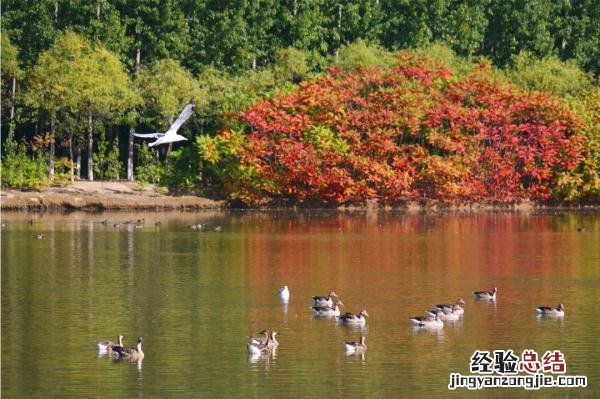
x: 102, y: 195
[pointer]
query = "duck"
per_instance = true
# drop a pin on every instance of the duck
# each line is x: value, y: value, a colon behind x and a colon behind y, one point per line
x: 353, y: 347
x: 428, y: 321
x: 106, y: 346
x: 457, y: 308
x: 218, y: 228
x: 133, y: 354
x: 324, y: 300
x: 284, y: 293
x: 327, y: 310
x: 197, y: 226
x: 491, y: 296
x: 548, y: 311
x: 358, y: 319
x: 38, y: 236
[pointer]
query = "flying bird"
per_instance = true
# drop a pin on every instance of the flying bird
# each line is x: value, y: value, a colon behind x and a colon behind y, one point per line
x: 171, y: 136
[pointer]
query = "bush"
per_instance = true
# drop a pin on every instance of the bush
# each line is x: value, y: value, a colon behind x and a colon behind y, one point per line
x: 19, y: 170
x: 183, y: 169
x: 550, y: 75
x: 149, y: 169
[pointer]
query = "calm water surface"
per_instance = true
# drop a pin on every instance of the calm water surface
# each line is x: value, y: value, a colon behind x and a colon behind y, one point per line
x: 195, y: 296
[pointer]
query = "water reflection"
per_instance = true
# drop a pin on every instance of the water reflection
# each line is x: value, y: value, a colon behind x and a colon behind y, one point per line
x: 195, y: 295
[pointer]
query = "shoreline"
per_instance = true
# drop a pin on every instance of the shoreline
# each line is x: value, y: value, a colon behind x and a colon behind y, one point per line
x: 128, y: 196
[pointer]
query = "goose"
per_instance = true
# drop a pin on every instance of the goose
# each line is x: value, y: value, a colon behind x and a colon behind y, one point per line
x: 428, y: 321
x: 450, y: 315
x: 38, y: 236
x: 133, y: 354
x: 324, y: 300
x: 284, y: 293
x: 105, y: 346
x: 486, y: 294
x: 171, y: 136
x: 431, y: 315
x: 548, y: 311
x: 355, y: 319
x: 353, y: 347
x: 457, y: 308
x: 264, y: 344
x: 327, y: 310
x: 265, y: 338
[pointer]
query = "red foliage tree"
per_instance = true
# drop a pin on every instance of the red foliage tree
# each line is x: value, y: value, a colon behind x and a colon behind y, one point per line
x: 409, y: 132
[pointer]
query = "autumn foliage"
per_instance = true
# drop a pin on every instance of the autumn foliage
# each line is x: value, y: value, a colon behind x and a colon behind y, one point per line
x: 411, y: 132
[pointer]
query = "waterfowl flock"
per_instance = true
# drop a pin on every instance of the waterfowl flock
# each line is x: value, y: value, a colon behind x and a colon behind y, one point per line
x: 265, y: 344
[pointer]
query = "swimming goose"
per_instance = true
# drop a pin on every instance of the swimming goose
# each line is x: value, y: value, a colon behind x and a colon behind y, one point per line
x: 38, y: 236
x: 428, y: 321
x: 355, y: 319
x: 133, y: 354
x: 450, y: 315
x: 105, y: 346
x: 355, y: 347
x: 327, y: 310
x: 486, y: 294
x: 265, y: 338
x: 324, y: 300
x: 260, y: 345
x: 548, y: 311
x: 284, y: 293
x: 457, y: 308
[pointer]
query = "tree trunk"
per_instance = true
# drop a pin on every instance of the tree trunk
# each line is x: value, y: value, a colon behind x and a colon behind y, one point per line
x: 11, y: 123
x: 71, y: 156
x: 169, y: 148
x: 254, y: 63
x: 52, y: 148
x: 130, y: 157
x: 138, y: 59
x: 78, y: 168
x: 12, y: 98
x: 90, y: 162
x: 339, y: 21
x: 98, y: 11
x: 295, y: 7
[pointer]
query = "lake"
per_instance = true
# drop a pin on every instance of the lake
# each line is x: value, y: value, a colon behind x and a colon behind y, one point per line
x: 195, y: 296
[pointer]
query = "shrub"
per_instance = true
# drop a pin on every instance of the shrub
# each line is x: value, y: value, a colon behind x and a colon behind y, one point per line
x: 19, y: 170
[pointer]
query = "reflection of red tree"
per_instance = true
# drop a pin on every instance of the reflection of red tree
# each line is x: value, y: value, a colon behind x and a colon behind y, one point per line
x: 357, y: 250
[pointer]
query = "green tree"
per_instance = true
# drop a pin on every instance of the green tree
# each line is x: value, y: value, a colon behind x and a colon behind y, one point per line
x: 361, y: 54
x: 11, y: 71
x: 77, y: 77
x: 166, y: 87
x: 515, y: 26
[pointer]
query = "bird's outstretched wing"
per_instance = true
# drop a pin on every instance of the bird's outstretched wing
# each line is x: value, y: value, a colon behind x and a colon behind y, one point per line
x: 184, y: 116
x: 153, y: 135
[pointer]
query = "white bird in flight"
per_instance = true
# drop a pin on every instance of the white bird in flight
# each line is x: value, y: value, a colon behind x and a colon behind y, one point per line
x: 171, y: 136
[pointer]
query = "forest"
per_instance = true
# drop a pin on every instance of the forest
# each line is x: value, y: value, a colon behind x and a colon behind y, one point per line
x: 307, y: 101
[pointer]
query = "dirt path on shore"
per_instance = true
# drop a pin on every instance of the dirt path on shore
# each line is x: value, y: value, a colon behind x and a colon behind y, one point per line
x: 102, y: 195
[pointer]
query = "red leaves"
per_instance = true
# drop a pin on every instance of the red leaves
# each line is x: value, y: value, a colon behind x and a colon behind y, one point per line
x: 394, y: 135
